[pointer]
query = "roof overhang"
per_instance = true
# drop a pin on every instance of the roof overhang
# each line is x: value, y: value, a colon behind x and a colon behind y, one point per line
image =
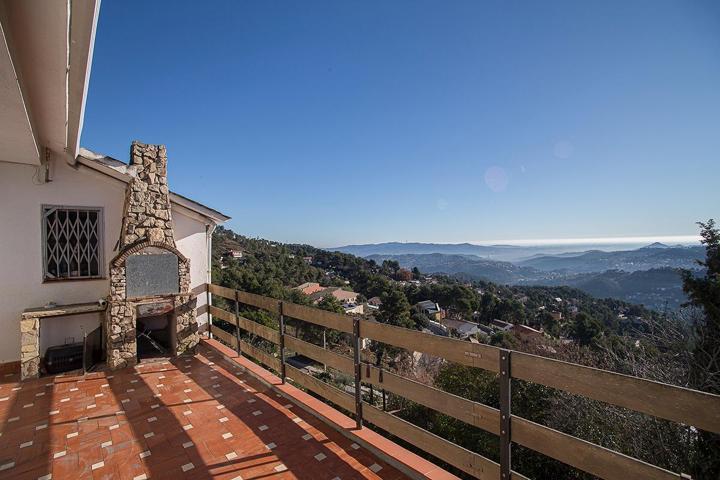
x: 45, y: 56
x: 122, y: 172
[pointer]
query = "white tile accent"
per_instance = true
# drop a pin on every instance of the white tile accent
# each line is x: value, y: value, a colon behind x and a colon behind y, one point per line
x: 144, y: 454
x: 251, y: 400
x: 270, y: 445
x: 130, y: 390
x: 152, y: 419
x: 40, y: 394
x: 375, y: 467
x: 223, y: 419
x: 227, y: 435
x: 26, y: 444
x: 142, y: 476
x: 106, y: 444
x: 71, y: 435
x: 157, y: 405
x: 125, y: 400
x: 231, y: 456
x: 307, y: 436
x: 41, y: 427
x: 187, y: 466
x: 60, y: 454
x: 320, y: 457
x: 262, y: 428
x: 187, y: 412
x: 297, y: 419
x: 280, y: 468
x: 188, y: 426
x: 62, y: 400
x: 113, y: 427
x: 6, y: 466
x: 355, y: 446
x: 188, y: 444
x: 97, y: 395
x: 91, y: 406
x: 13, y: 419
x: 149, y: 434
x: 97, y: 465
x: 187, y: 390
x: 28, y: 405
x: 257, y: 412
x: 54, y: 412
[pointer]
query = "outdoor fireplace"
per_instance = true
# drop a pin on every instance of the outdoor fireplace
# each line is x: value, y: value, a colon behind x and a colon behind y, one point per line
x: 150, y: 301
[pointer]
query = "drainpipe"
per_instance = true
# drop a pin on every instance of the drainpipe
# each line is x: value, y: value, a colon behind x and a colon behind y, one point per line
x: 209, y: 230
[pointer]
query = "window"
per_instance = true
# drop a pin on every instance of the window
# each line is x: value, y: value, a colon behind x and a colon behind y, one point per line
x: 72, y: 242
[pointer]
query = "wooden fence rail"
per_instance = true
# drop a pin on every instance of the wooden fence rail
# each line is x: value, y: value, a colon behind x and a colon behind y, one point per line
x: 690, y: 407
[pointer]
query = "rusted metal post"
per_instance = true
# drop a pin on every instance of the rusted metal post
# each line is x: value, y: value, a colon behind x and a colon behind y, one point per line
x: 505, y: 412
x: 282, y: 343
x: 358, y: 372
x: 237, y: 322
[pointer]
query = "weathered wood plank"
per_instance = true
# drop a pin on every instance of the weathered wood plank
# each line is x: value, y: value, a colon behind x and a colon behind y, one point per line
x: 329, y: 358
x: 323, y: 318
x: 260, y: 330
x: 226, y: 337
x: 691, y: 407
x: 328, y: 392
x: 222, y: 314
x: 459, y: 351
x: 259, y: 301
x: 224, y: 292
x: 467, y: 461
x: 586, y: 456
x: 470, y: 412
x: 260, y: 355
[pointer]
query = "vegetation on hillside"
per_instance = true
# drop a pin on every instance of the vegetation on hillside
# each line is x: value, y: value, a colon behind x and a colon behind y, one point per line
x: 602, y: 333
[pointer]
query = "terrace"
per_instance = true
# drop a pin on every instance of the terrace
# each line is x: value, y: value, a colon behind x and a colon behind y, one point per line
x: 223, y: 413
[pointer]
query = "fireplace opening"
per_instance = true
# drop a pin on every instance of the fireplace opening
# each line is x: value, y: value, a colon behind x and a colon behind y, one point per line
x: 154, y: 333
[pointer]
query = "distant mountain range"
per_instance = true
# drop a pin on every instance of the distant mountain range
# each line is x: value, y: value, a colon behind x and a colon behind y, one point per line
x: 647, y: 275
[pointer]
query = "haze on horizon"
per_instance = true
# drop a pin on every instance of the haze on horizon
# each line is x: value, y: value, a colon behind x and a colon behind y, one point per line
x: 428, y: 121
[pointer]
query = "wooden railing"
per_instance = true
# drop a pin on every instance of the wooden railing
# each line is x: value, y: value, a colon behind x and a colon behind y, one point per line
x: 682, y: 405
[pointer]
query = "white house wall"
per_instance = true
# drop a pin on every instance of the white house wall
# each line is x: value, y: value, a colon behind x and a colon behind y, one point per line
x: 21, y: 270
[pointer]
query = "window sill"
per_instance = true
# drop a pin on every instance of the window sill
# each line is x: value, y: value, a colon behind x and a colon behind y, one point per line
x: 63, y: 280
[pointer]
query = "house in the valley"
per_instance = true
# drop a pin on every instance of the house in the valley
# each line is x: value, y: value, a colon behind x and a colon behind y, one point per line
x: 501, y: 325
x: 310, y: 288
x: 343, y: 296
x: 95, y: 251
x: 431, y: 309
x: 236, y: 254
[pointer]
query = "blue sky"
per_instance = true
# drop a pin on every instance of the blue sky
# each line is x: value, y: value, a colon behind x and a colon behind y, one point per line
x: 350, y: 122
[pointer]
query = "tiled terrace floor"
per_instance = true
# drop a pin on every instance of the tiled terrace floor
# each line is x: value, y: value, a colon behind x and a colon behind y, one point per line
x: 192, y: 417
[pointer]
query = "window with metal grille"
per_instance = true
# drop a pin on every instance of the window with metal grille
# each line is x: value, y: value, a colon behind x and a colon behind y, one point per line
x: 72, y: 242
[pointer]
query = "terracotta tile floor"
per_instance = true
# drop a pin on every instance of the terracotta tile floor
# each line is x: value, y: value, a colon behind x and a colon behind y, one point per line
x: 192, y: 417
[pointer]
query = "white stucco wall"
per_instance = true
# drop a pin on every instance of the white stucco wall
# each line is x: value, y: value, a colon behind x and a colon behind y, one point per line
x: 21, y: 271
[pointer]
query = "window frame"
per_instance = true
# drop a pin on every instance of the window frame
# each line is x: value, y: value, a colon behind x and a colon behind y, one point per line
x: 46, y: 278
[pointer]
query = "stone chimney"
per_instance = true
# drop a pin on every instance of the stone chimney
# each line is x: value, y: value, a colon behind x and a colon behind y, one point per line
x: 147, y: 204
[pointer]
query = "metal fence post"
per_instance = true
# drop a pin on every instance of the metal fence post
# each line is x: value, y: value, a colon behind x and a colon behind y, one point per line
x: 237, y: 322
x: 356, y: 361
x: 505, y: 413
x: 207, y: 300
x: 282, y: 343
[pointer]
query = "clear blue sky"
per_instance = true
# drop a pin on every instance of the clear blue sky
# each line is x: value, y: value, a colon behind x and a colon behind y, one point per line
x: 351, y: 122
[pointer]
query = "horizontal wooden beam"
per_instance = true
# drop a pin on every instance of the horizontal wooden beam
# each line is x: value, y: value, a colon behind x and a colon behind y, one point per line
x: 328, y: 392
x: 683, y: 405
x: 224, y: 292
x: 459, y: 351
x: 469, y: 462
x: 472, y: 413
x: 323, y: 318
x: 588, y: 457
x: 222, y: 314
x: 329, y: 358
x: 260, y: 355
x: 260, y: 330
x: 226, y: 337
x: 259, y: 301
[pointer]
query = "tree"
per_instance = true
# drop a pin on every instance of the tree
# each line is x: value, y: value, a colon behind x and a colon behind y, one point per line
x: 331, y: 304
x: 403, y: 275
x: 416, y: 273
x: 704, y: 294
x: 585, y: 328
x: 395, y: 309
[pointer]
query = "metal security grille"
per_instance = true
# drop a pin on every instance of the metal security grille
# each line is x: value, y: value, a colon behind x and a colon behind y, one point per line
x: 72, y: 242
